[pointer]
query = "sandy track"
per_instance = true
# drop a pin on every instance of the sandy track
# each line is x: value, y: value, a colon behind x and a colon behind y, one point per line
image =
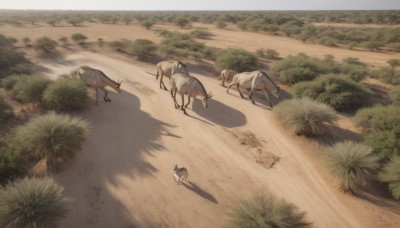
x: 123, y: 176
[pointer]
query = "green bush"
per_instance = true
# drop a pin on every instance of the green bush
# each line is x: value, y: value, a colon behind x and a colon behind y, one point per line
x: 201, y: 34
x: 352, y: 164
x: 52, y: 137
x: 238, y: 60
x: 9, y: 82
x: 181, y: 45
x: 142, y: 48
x: 30, y: 89
x: 338, y: 91
x: 32, y: 203
x: 387, y: 75
x: 378, y: 118
x: 78, y: 38
x: 304, y: 116
x: 299, y: 68
x: 394, y: 95
x: 65, y: 95
x: 12, y: 61
x: 390, y: 174
x: 356, y: 72
x: 45, y: 44
x: 261, y: 211
x: 147, y: 23
x: 271, y: 53
x: 386, y: 143
x: 5, y: 110
x: 11, y: 164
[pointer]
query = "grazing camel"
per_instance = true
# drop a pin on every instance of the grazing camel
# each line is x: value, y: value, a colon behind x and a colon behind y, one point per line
x: 187, y: 85
x: 253, y: 81
x: 226, y: 75
x: 168, y: 68
x: 180, y: 174
x: 97, y: 79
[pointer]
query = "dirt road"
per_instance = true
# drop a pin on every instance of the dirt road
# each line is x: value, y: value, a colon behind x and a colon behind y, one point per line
x: 232, y: 150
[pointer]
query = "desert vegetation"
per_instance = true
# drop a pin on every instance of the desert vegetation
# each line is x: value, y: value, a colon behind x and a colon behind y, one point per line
x: 262, y: 211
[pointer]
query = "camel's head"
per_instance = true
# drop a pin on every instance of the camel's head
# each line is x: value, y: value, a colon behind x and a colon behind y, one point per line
x: 205, y: 99
x: 118, y: 86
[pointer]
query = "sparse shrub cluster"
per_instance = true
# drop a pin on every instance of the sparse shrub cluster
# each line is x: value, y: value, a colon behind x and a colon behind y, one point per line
x: 261, y: 211
x: 201, y: 34
x: 338, y: 91
x: 182, y: 45
x: 387, y: 75
x: 305, y: 116
x: 30, y: 89
x: 45, y: 44
x: 5, y: 110
x: 79, y: 38
x: 143, y: 49
x: 394, y: 95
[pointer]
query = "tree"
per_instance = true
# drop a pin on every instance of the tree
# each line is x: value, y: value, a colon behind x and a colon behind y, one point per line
x: 32, y: 202
x: 237, y: 59
x: 45, y: 44
x: 394, y: 63
x: 182, y: 22
x: 78, y: 38
x: 142, y: 48
x: 352, y: 164
x: 147, y: 23
x: 261, y: 211
x: 221, y: 24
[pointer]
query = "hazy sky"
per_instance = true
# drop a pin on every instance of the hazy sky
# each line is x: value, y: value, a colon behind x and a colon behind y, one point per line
x: 202, y: 4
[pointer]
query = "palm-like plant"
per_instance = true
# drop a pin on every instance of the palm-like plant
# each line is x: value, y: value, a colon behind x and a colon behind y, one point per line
x: 352, y: 164
x: 52, y: 137
x: 260, y: 211
x: 391, y: 175
x: 32, y: 203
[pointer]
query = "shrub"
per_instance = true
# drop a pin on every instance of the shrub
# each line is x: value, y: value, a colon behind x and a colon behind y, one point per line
x: 181, y: 45
x: 64, y: 40
x: 261, y: 211
x: 299, y: 68
x: 181, y: 22
x: 45, y: 44
x: 52, y: 137
x: 394, y: 95
x: 352, y: 164
x: 201, y: 34
x: 221, y: 24
x: 260, y: 52
x: 9, y: 82
x: 271, y: 53
x: 394, y: 63
x: 11, y: 164
x: 378, y: 118
x: 65, y: 94
x: 5, y: 110
x: 394, y: 46
x: 239, y: 60
x: 388, y: 75
x: 305, y: 116
x: 78, y: 38
x: 391, y: 174
x: 30, y: 89
x: 338, y: 91
x: 386, y: 143
x: 147, y: 23
x: 32, y: 203
x: 11, y: 61
x: 142, y: 48
x: 356, y: 72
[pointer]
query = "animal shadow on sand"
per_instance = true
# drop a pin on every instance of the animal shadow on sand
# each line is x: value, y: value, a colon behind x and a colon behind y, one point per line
x: 219, y: 113
x: 196, y: 189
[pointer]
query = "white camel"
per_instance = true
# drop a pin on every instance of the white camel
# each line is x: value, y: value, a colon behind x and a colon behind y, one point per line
x: 226, y: 75
x: 190, y: 86
x: 254, y: 81
x: 98, y: 80
x: 168, y: 68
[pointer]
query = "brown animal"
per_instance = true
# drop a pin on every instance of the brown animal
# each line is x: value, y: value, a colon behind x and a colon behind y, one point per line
x: 180, y: 174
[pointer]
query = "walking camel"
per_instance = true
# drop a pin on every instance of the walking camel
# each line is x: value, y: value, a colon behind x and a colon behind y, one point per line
x: 226, y: 75
x: 254, y: 81
x: 168, y: 68
x: 98, y: 80
x: 190, y: 86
